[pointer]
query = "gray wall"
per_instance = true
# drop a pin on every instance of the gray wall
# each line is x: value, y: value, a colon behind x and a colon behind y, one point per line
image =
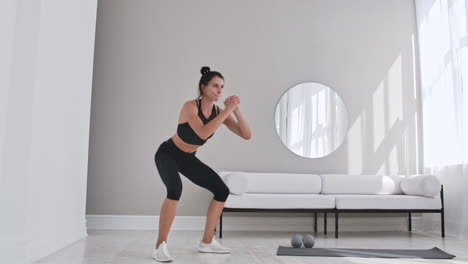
x: 147, y: 61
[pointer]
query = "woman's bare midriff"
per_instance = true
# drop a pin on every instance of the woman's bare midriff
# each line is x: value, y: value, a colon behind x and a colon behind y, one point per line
x: 185, y: 147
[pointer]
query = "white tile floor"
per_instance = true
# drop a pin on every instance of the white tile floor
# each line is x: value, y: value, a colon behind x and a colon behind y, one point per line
x: 124, y: 247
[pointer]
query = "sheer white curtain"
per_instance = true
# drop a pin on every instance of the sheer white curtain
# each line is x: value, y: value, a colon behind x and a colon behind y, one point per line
x: 443, y: 57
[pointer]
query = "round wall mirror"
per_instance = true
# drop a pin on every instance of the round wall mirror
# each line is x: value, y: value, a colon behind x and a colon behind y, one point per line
x: 311, y: 120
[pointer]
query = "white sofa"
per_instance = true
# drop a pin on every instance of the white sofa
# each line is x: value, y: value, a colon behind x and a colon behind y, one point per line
x: 332, y: 193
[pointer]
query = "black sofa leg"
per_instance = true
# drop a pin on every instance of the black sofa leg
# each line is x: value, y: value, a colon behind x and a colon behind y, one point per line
x: 315, y: 222
x: 325, y: 223
x: 442, y: 217
x: 221, y: 225
x: 410, y: 226
x: 336, y: 224
x: 442, y: 223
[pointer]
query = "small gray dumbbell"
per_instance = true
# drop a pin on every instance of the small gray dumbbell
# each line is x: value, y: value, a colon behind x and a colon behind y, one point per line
x: 308, y: 240
x: 296, y: 240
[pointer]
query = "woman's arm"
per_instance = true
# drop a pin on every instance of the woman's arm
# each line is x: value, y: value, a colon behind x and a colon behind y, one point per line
x: 204, y: 131
x: 239, y: 127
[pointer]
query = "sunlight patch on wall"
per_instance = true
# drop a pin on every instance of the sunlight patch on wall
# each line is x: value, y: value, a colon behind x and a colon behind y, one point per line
x: 394, y: 101
x: 378, y: 112
x: 355, y: 141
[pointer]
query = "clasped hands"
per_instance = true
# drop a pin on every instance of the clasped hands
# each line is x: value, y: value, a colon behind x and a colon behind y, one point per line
x: 232, y: 102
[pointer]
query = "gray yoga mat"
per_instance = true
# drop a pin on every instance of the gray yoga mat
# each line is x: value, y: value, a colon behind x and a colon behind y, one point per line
x: 433, y: 253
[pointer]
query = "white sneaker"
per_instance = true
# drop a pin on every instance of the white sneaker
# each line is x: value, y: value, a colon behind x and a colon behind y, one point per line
x: 162, y: 254
x: 213, y: 247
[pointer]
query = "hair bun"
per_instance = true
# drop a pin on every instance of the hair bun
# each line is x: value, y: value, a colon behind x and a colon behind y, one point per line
x: 205, y: 69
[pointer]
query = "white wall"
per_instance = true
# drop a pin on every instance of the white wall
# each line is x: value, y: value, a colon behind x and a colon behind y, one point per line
x: 45, y: 125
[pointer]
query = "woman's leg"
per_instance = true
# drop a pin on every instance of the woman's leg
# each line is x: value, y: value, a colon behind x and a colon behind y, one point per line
x: 166, y: 217
x: 202, y: 175
x: 167, y: 169
x: 214, y: 211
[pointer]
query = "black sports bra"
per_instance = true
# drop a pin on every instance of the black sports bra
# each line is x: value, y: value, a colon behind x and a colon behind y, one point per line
x: 185, y: 131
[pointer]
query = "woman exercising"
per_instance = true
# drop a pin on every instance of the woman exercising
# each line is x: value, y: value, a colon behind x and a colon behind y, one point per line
x: 198, y: 120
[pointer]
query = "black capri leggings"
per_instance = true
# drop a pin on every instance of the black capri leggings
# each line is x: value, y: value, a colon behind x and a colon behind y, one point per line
x: 170, y: 160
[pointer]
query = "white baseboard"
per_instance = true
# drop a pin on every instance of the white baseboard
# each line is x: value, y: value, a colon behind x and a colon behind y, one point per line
x: 142, y: 222
x: 246, y: 223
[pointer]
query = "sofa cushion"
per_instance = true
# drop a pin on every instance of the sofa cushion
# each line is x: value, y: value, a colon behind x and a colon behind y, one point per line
x: 223, y: 174
x: 360, y: 184
x: 236, y: 182
x: 425, y: 185
x: 386, y: 202
x: 280, y: 201
x: 264, y: 182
